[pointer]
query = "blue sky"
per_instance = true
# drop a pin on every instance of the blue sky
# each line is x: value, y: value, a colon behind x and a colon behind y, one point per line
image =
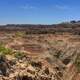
x: 38, y: 11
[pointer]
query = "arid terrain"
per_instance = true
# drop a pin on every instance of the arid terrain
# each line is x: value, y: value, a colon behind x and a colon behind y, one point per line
x: 40, y: 52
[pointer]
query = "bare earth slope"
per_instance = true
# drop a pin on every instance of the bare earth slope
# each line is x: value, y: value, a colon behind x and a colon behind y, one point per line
x: 40, y: 56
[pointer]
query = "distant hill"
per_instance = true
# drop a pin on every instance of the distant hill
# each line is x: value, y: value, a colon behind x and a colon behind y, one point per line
x: 72, y: 27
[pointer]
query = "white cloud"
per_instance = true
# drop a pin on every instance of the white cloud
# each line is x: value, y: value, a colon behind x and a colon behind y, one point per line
x: 61, y: 7
x: 28, y: 7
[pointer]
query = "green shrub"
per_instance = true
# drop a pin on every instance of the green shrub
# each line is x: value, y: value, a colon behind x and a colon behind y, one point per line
x: 5, y: 51
x: 77, y: 63
x: 19, y: 55
x: 20, y: 34
x: 58, y: 54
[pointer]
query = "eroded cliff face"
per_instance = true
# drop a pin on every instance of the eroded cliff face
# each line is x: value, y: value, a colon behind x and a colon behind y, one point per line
x: 39, y: 56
